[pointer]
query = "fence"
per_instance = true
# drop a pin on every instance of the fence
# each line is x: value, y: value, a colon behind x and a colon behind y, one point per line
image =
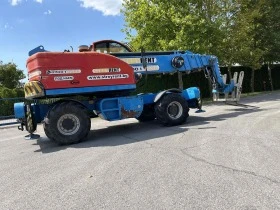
x: 7, y: 110
x: 262, y: 83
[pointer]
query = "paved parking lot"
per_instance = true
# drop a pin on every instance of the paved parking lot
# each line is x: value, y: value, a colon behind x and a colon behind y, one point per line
x: 224, y: 158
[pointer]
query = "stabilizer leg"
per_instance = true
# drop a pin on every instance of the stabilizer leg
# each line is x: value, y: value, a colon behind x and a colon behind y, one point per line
x: 235, y: 94
x: 199, y: 106
x: 32, y: 136
x: 31, y: 124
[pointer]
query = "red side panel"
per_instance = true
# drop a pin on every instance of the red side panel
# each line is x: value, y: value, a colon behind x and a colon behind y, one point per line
x: 83, y: 69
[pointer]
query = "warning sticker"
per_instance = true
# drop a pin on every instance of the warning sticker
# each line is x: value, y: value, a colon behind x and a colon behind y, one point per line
x: 34, y: 74
x: 131, y: 60
x: 63, y: 78
x: 113, y: 76
x: 64, y: 71
x: 139, y: 60
x: 149, y: 68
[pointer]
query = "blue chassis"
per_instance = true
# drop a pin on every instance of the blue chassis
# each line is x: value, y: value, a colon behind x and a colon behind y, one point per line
x: 111, y: 109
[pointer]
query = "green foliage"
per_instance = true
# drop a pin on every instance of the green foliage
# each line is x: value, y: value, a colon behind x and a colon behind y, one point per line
x: 10, y: 78
x: 237, y: 31
x: 270, y: 32
x: 7, y: 99
x: 174, y: 24
x: 11, y: 93
x: 10, y: 75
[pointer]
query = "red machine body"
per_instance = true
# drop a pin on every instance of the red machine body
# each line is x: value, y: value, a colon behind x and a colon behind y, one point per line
x: 57, y: 70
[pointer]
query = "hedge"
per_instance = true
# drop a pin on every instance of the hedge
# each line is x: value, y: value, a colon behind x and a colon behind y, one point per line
x: 161, y: 82
x: 7, y: 99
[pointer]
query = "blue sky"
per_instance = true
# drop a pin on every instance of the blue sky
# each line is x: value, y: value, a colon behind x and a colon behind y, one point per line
x: 55, y: 24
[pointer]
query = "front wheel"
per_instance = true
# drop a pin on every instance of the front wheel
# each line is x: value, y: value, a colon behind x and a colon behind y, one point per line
x: 172, y: 109
x: 67, y: 123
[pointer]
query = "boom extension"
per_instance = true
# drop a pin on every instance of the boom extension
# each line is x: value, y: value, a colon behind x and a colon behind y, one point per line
x: 188, y: 62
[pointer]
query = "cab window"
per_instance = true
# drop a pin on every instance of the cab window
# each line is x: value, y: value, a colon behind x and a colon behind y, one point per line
x: 101, y: 47
x: 117, y: 48
x: 110, y: 47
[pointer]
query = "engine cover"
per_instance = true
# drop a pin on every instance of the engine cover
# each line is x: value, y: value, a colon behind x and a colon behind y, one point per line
x: 68, y: 70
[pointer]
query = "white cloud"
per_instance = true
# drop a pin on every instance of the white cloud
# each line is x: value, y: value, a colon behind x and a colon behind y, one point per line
x: 6, y: 26
x: 15, y: 2
x: 107, y: 7
x: 48, y: 12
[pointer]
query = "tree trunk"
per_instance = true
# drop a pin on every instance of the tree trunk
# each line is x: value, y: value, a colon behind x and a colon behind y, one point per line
x: 252, y: 80
x: 180, y: 80
x: 229, y: 72
x: 270, y: 77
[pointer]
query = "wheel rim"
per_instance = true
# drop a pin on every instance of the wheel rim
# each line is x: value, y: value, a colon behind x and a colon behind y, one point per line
x: 175, y: 110
x: 68, y: 124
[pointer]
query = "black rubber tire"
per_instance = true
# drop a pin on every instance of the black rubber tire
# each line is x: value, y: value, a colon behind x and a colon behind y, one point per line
x: 79, y: 115
x: 46, y: 124
x: 148, y: 114
x: 162, y: 109
x: 47, y: 132
x: 31, y: 124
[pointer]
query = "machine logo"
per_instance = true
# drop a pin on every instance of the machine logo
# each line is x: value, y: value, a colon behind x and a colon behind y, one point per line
x: 63, y: 78
x: 149, y: 60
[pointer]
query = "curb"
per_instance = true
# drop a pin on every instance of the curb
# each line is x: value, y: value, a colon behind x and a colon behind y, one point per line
x: 9, y: 125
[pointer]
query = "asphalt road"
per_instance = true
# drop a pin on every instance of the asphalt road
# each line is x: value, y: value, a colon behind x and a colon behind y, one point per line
x: 225, y: 158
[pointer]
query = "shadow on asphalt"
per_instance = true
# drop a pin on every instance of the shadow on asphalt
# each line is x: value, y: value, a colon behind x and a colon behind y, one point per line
x: 197, y: 120
x: 136, y: 132
x: 246, y: 101
x: 269, y: 96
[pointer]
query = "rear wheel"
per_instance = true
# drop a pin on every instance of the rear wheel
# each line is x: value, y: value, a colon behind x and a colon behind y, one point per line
x: 67, y: 123
x: 47, y: 132
x: 172, y: 109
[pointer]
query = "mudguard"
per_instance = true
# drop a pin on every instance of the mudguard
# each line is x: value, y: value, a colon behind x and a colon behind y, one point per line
x: 162, y: 93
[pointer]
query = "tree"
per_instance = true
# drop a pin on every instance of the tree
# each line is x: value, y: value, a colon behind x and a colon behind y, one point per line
x: 269, y: 34
x: 189, y: 24
x: 10, y: 75
x: 193, y: 25
x: 236, y: 31
x: 256, y: 26
x: 229, y: 43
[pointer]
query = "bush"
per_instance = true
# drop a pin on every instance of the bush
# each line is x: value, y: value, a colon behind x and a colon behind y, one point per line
x: 7, y: 99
